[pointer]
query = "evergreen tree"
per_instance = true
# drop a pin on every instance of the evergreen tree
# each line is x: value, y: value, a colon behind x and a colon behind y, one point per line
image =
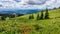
x: 31, y: 16
x: 38, y: 17
x: 46, y: 14
x: 41, y: 17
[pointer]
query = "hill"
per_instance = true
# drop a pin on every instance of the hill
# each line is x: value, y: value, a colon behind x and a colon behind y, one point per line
x: 19, y: 11
x: 23, y: 25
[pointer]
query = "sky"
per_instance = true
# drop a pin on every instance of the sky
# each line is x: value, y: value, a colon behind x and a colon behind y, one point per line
x: 28, y: 4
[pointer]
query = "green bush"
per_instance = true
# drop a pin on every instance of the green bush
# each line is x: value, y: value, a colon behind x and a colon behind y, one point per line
x: 13, y: 15
x: 3, y: 17
x: 37, y: 27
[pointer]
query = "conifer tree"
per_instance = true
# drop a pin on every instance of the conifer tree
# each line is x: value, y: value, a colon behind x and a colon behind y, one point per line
x: 38, y: 17
x: 41, y: 17
x: 31, y: 16
x: 46, y: 14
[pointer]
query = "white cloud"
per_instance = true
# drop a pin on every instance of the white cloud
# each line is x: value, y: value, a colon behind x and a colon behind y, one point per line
x: 24, y: 4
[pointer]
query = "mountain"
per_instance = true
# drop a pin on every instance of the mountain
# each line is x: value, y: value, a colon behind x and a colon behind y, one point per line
x: 19, y: 11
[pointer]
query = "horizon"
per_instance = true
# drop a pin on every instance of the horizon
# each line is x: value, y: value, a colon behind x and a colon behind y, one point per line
x: 25, y: 6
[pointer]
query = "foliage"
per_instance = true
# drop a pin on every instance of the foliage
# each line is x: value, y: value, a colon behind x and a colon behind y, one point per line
x: 46, y: 14
x: 41, y: 15
x: 3, y: 17
x: 13, y: 15
x: 31, y: 16
x: 38, y: 17
x: 22, y: 25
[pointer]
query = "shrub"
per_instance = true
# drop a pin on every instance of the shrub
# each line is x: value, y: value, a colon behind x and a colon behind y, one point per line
x: 3, y: 17
x: 7, y: 18
x: 2, y: 29
x: 13, y: 15
x: 37, y: 27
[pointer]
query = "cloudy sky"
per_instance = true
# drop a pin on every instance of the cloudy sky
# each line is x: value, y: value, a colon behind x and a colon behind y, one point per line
x: 28, y: 4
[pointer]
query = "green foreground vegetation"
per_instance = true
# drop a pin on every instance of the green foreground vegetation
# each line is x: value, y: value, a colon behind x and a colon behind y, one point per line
x: 24, y: 25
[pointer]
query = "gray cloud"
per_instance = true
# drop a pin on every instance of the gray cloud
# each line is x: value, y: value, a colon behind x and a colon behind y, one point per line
x: 30, y: 4
x: 36, y: 2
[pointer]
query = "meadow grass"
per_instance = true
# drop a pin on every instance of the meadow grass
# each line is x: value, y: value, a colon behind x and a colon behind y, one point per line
x: 24, y: 25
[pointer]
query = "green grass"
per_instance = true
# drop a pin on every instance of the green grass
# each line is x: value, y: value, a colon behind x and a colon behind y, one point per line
x: 46, y: 26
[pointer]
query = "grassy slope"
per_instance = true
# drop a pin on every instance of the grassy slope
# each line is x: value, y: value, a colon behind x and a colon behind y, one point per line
x: 50, y: 26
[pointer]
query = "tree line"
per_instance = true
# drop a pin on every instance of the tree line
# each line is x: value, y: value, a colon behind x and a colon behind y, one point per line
x: 39, y: 16
x: 4, y: 16
x: 42, y: 16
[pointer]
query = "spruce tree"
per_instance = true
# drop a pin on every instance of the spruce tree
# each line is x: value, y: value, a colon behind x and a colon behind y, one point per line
x: 38, y: 17
x: 31, y: 16
x: 46, y: 14
x: 41, y: 17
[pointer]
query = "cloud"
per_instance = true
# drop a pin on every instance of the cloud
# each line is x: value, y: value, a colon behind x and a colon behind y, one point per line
x: 17, y: 0
x: 34, y: 2
x: 30, y: 4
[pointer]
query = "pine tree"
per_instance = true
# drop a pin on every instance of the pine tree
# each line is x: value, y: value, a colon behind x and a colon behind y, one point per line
x: 31, y: 16
x: 38, y: 17
x: 41, y: 17
x: 46, y: 14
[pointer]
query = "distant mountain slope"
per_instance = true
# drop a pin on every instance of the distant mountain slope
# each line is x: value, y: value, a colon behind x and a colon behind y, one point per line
x: 19, y: 11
